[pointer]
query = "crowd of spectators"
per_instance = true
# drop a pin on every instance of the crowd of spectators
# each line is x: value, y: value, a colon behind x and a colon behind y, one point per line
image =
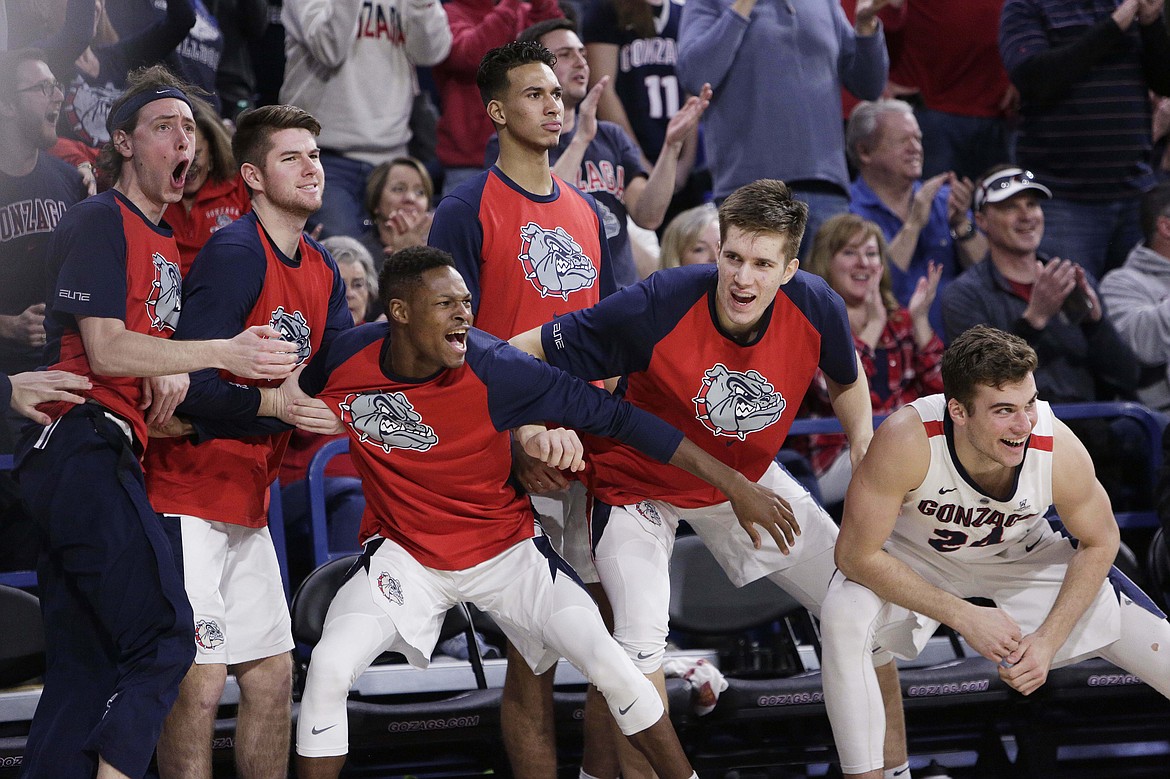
x: 669, y: 107
x: 965, y: 162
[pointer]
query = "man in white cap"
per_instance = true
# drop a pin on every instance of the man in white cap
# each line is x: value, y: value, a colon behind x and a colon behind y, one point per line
x: 1048, y: 301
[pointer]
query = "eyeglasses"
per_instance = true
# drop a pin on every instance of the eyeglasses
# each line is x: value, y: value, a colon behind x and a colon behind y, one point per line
x: 1004, y: 180
x: 46, y: 88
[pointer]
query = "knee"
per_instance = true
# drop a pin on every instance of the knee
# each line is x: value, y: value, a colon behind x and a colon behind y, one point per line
x: 847, y: 613
x: 202, y: 688
x: 328, y: 679
x: 646, y: 653
x: 267, y: 679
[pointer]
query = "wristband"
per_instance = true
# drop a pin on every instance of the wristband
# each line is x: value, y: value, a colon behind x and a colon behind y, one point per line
x: 966, y: 235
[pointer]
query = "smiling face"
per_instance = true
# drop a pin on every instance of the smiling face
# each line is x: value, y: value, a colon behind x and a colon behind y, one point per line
x: 404, y: 190
x: 752, y: 267
x: 1014, y: 226
x: 705, y: 248
x: 898, y: 150
x: 572, y: 69
x: 291, y: 178
x: 31, y: 110
x: 531, y: 111
x: 994, y: 432
x: 856, y: 269
x: 432, y: 324
x: 158, y: 152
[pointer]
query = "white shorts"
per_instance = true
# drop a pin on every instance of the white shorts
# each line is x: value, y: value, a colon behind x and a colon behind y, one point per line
x: 636, y: 541
x: 233, y: 581
x: 565, y: 521
x: 1024, y: 587
x: 398, y: 604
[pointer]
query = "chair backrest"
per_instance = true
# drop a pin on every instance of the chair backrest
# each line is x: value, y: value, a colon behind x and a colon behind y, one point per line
x: 703, y: 600
x: 318, y: 520
x: 312, y: 598
x: 22, y: 637
x: 1158, y: 566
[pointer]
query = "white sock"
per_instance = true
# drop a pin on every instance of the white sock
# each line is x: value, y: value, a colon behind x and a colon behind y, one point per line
x: 582, y: 775
x: 900, y: 772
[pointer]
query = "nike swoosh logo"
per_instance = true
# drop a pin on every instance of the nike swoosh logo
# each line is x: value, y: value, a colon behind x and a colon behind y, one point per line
x: 317, y: 732
x: 945, y: 490
x: 904, y: 770
x: 623, y: 711
x: 643, y: 655
x: 1032, y: 545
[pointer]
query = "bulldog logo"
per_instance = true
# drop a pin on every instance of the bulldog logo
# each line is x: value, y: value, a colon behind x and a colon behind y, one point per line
x: 732, y: 403
x: 388, y: 420
x: 208, y: 635
x: 166, y: 293
x: 553, y: 262
x: 649, y: 513
x: 293, y: 328
x: 390, y: 588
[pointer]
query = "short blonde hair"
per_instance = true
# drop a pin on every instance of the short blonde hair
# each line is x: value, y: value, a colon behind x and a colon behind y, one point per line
x: 683, y: 231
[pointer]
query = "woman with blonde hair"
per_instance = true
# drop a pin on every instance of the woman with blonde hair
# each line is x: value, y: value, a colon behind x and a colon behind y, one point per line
x: 900, y: 351
x: 691, y: 238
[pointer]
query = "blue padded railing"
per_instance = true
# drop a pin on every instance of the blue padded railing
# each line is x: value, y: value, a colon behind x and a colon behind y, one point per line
x: 317, y: 519
x: 1152, y: 422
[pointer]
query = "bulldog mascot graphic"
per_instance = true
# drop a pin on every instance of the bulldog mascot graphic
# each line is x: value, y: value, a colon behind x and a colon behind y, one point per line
x: 731, y: 403
x: 553, y: 262
x: 387, y: 420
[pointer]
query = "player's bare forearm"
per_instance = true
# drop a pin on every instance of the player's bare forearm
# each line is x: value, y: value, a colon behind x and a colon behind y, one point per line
x: 854, y: 409
x: 113, y: 350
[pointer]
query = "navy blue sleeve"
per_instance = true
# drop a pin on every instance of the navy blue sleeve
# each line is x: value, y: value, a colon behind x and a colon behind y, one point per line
x: 219, y: 292
x: 826, y: 311
x: 617, y: 336
x: 313, y: 379
x: 522, y: 389
x: 456, y: 230
x: 491, y: 154
x: 90, y: 246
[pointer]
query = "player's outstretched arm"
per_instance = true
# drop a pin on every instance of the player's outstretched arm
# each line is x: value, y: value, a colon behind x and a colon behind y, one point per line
x: 1084, y: 509
x: 256, y: 353
x: 896, y: 463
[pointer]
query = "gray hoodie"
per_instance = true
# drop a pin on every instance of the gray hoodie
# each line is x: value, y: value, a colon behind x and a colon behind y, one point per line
x: 1137, y: 299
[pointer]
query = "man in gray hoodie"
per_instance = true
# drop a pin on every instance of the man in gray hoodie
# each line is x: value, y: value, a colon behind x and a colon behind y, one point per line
x: 1137, y: 299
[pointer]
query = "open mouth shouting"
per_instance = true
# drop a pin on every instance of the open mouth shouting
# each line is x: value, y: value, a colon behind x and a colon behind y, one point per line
x: 179, y: 174
x: 458, y: 339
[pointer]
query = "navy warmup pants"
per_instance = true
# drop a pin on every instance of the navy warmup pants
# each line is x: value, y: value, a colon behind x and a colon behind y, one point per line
x: 118, y: 627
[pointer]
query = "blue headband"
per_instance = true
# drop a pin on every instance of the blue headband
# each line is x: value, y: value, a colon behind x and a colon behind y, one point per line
x: 121, y: 113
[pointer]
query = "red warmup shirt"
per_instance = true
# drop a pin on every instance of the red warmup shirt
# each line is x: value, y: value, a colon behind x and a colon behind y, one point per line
x: 434, y: 452
x: 526, y: 258
x: 115, y: 264
x: 735, y: 400
x: 241, y: 280
x: 217, y: 205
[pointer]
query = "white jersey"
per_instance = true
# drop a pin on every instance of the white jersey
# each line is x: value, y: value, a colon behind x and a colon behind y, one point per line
x: 949, y: 513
